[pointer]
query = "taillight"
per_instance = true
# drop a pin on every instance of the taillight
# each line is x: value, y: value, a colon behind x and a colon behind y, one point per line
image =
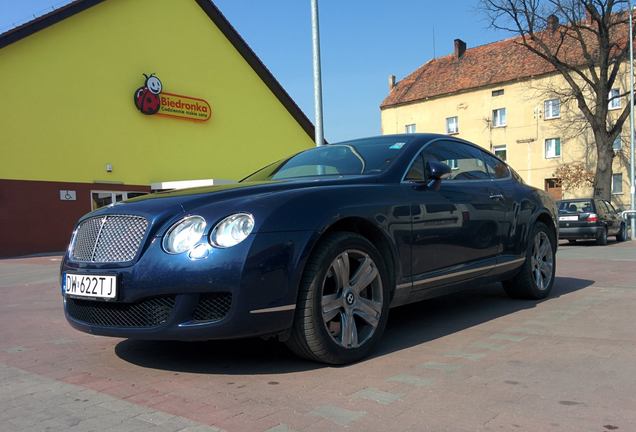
x: 591, y: 218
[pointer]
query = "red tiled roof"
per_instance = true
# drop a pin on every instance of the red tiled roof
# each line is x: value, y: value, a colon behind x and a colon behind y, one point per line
x: 491, y: 64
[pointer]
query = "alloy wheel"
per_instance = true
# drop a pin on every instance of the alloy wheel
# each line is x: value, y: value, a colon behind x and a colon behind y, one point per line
x: 542, y: 260
x: 352, y: 299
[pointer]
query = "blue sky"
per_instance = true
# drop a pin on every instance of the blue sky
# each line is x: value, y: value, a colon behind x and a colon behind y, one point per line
x: 363, y: 41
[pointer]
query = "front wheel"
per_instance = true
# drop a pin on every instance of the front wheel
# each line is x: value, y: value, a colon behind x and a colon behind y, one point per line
x: 343, y: 301
x: 536, y: 277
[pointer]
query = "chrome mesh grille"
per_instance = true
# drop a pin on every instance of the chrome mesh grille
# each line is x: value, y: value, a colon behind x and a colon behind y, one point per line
x: 111, y: 238
x: 151, y: 312
x: 212, y: 307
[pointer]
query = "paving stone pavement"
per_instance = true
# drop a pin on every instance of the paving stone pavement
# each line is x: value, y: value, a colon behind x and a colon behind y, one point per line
x: 32, y: 402
x: 475, y: 361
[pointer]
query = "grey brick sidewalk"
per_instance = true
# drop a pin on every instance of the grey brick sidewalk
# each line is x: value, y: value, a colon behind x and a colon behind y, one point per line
x: 32, y: 403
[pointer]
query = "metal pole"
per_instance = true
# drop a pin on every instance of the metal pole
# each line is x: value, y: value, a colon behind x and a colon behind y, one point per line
x: 632, y: 187
x: 315, y: 36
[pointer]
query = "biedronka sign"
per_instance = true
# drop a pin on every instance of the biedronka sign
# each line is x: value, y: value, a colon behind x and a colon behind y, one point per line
x: 151, y: 99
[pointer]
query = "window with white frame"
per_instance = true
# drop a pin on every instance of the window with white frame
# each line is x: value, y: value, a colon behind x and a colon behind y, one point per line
x: 499, y: 117
x: 617, y: 144
x: 614, y: 99
x: 551, y: 109
x: 617, y: 183
x: 552, y: 148
x: 452, y: 125
x: 501, y: 151
x: 409, y: 128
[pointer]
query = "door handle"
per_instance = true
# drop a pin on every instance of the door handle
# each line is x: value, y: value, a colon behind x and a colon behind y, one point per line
x: 497, y: 196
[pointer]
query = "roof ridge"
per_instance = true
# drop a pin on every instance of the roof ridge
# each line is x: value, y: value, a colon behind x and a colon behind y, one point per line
x: 215, y: 15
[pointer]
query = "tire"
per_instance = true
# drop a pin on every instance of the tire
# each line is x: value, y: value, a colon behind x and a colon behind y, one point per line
x: 316, y: 335
x: 525, y: 284
x: 602, y: 237
x: 622, y: 233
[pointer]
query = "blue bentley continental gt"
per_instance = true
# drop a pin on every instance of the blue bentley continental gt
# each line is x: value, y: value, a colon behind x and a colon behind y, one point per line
x: 313, y: 249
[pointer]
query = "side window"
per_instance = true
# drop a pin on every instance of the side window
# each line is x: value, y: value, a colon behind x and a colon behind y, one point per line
x: 496, y: 168
x: 601, y: 207
x: 465, y: 160
x: 416, y: 172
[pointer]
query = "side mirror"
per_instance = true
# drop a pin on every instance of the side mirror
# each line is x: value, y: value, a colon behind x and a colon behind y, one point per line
x: 437, y: 170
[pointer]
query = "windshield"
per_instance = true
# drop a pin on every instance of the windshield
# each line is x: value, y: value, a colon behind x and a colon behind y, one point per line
x: 362, y: 157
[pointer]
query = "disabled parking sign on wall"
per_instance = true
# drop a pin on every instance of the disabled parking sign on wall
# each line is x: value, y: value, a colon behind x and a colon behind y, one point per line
x: 150, y: 99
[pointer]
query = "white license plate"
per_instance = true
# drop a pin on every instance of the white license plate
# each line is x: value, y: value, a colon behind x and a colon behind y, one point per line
x: 92, y: 286
x: 568, y: 218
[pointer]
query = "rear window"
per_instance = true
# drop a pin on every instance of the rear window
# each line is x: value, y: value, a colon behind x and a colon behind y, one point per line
x: 576, y: 206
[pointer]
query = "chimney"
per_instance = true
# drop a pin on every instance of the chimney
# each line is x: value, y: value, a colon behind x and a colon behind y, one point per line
x: 391, y: 82
x: 553, y: 23
x: 460, y: 48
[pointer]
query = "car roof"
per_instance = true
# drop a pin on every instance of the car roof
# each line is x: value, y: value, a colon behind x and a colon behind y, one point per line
x: 406, y: 138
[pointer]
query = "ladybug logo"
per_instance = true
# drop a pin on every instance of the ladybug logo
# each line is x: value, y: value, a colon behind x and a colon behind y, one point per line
x: 147, y: 97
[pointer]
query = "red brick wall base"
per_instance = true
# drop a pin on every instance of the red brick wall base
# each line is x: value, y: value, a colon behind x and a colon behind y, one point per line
x: 33, y: 218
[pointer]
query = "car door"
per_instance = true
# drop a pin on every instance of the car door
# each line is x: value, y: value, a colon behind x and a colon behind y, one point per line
x: 454, y: 221
x: 603, y: 215
x: 612, y: 216
x: 505, y: 196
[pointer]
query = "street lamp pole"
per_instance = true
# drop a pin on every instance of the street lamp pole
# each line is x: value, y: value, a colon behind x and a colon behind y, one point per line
x: 315, y: 36
x: 632, y: 187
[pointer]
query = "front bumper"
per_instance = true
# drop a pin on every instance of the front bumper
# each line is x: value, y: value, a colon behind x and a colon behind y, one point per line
x: 573, y: 233
x: 247, y: 290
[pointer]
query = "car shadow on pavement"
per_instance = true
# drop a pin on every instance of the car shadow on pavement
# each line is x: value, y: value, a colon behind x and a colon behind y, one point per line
x: 408, y: 326
x: 432, y: 319
x: 588, y: 243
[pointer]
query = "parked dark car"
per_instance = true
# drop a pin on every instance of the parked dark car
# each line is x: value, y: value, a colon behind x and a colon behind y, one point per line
x: 313, y: 249
x: 589, y: 218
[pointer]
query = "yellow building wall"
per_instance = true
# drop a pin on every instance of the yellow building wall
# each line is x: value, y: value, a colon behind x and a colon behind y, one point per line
x: 66, y: 100
x: 524, y: 134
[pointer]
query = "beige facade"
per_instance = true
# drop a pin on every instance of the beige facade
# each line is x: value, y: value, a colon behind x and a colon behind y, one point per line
x: 530, y: 136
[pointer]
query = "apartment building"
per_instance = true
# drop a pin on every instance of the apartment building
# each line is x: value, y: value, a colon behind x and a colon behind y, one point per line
x: 510, y: 102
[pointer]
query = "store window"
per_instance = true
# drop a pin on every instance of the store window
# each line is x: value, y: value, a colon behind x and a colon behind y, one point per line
x: 104, y: 198
x: 617, y: 183
x: 551, y: 109
x: 501, y: 151
x: 552, y: 148
x: 409, y: 128
x: 452, y: 125
x: 499, y: 117
x: 614, y: 99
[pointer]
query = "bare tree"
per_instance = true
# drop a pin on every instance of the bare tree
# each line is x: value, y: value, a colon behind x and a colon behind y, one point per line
x: 574, y: 176
x: 586, y: 42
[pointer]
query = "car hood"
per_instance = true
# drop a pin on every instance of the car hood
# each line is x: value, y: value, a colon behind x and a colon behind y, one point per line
x: 191, y: 198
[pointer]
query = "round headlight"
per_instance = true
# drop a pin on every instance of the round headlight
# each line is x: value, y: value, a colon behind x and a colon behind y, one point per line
x: 232, y: 230
x: 184, y: 235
